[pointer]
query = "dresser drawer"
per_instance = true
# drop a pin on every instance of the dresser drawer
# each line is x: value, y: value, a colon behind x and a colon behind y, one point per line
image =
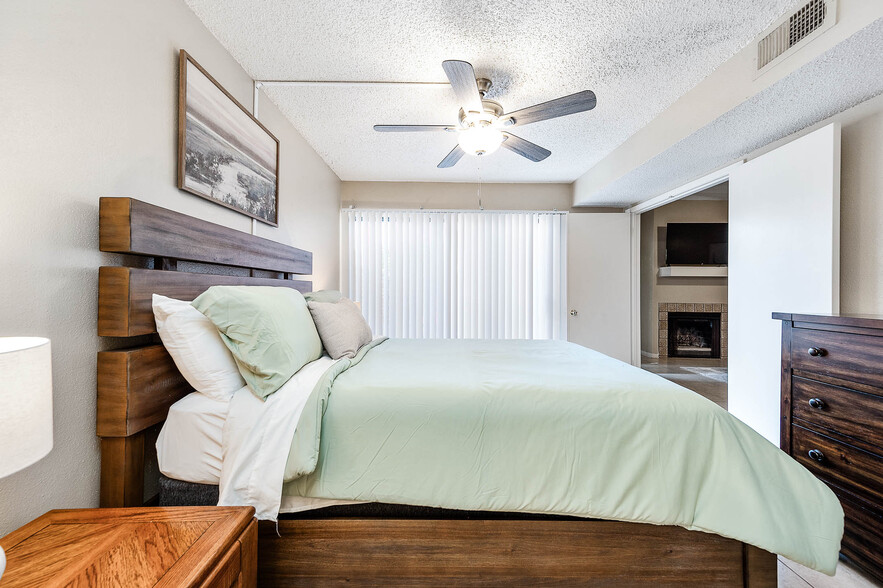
x: 863, y: 533
x: 858, y: 471
x: 847, y: 356
x: 850, y: 413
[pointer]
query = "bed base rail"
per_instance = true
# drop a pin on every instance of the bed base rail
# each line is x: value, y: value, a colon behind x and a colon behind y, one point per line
x: 403, y: 552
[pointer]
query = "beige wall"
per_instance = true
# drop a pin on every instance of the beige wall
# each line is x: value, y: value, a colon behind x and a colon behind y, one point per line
x: 861, y: 216
x: 655, y: 289
x: 457, y: 196
x: 88, y: 95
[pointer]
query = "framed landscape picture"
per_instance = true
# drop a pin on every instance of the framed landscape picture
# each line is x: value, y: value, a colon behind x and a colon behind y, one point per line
x: 224, y: 153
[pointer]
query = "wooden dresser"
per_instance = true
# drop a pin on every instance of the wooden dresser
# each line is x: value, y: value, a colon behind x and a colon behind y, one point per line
x: 209, y: 547
x: 832, y: 418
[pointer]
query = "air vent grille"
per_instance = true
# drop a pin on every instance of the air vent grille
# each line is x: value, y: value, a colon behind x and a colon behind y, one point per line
x: 806, y: 20
x: 813, y: 16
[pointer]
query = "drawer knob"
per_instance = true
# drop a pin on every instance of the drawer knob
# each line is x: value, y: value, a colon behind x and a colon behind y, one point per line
x: 817, y: 403
x: 816, y: 351
x: 817, y: 455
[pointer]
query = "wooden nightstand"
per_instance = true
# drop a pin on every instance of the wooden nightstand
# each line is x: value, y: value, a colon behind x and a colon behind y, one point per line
x: 189, y: 546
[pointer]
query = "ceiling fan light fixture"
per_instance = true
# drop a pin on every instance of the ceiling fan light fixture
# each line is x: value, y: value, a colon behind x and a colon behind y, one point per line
x: 484, y: 123
x: 480, y: 140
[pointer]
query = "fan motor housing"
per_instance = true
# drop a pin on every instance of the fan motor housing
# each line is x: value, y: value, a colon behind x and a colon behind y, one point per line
x: 492, y: 111
x: 484, y: 85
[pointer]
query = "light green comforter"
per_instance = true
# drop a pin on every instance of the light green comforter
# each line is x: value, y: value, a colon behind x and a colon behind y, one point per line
x: 552, y: 427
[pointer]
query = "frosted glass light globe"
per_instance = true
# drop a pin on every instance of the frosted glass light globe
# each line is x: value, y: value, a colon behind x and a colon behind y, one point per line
x: 480, y: 140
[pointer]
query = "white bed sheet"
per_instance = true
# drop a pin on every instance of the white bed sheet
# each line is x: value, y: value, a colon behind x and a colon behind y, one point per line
x: 189, y: 445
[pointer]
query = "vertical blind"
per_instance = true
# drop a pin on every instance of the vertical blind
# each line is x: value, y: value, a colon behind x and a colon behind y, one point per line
x: 460, y: 275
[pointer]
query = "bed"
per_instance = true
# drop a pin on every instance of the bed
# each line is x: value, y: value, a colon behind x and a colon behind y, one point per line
x: 431, y: 546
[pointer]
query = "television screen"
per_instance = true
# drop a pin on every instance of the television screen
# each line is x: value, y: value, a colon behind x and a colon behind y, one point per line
x: 696, y: 244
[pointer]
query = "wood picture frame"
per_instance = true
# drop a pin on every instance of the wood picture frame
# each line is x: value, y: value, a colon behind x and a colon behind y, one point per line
x: 225, y: 154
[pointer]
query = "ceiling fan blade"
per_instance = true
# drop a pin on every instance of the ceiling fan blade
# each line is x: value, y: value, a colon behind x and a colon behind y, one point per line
x: 452, y: 158
x: 412, y: 128
x: 525, y: 148
x: 579, y: 102
x: 462, y: 78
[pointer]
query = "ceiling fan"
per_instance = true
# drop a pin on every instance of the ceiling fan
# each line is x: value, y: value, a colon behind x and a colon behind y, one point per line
x: 482, y: 122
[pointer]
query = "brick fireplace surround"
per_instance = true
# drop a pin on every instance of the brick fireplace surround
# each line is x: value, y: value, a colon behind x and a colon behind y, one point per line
x: 666, y: 307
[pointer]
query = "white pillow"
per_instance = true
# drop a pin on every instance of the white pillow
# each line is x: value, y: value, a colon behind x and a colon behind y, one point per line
x: 196, y: 347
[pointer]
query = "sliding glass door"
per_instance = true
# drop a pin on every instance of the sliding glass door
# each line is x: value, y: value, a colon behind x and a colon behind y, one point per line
x: 459, y: 274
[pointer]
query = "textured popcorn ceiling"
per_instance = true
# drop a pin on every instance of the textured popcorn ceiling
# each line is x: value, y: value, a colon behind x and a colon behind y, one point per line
x: 638, y: 56
x: 837, y: 80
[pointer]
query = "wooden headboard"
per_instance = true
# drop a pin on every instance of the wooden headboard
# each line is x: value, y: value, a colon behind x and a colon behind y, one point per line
x: 137, y: 384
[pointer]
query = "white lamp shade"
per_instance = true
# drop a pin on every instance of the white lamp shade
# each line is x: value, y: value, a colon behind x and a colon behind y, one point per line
x: 25, y: 402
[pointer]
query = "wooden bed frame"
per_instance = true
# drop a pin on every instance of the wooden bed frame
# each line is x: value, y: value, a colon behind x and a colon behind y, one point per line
x: 137, y: 384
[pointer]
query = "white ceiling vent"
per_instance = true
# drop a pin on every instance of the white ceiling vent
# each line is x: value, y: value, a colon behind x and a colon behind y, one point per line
x: 794, y: 29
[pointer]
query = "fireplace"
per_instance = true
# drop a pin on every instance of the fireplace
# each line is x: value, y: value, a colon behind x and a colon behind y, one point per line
x: 694, y: 334
x: 704, y: 308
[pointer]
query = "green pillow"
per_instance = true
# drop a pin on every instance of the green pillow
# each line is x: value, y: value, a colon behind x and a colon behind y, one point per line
x: 324, y: 296
x: 268, y: 330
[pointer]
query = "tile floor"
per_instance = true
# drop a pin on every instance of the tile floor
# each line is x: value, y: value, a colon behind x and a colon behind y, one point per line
x: 791, y: 574
x: 677, y: 370
x: 794, y: 575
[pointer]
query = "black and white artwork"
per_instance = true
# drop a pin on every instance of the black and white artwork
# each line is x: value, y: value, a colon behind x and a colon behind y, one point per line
x: 225, y: 154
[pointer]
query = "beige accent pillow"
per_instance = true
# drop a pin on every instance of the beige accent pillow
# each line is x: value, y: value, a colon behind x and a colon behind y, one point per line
x: 324, y: 296
x: 341, y: 327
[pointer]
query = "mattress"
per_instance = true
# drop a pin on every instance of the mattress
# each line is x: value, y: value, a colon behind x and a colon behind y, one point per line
x: 189, y: 445
x: 190, y: 449
x: 179, y: 493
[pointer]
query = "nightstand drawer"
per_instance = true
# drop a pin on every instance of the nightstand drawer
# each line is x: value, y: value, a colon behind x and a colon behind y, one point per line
x: 226, y: 573
x: 850, y: 413
x: 858, y: 471
x: 846, y: 356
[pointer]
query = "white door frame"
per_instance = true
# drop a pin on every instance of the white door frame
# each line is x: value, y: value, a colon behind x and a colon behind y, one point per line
x: 707, y: 181
x: 636, y: 287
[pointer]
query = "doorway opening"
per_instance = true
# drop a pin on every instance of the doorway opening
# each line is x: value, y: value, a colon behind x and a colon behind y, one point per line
x: 683, y: 278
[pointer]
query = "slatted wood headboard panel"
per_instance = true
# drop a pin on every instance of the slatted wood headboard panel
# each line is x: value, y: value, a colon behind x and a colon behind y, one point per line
x: 136, y: 385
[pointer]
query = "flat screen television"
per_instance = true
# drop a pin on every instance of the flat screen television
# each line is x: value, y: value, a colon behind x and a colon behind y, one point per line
x: 696, y: 244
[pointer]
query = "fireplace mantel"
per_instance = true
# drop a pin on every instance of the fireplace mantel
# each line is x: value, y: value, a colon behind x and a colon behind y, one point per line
x: 693, y: 271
